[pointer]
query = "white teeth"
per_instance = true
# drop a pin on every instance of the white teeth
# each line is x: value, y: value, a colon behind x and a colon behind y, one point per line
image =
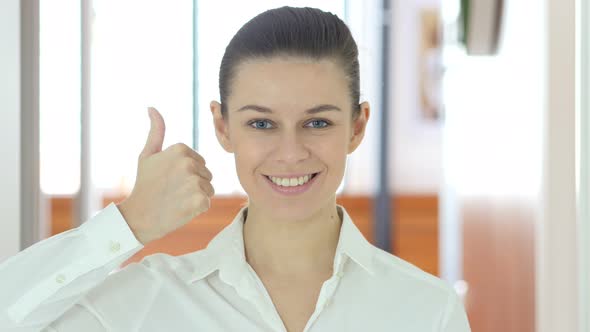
x: 290, y: 182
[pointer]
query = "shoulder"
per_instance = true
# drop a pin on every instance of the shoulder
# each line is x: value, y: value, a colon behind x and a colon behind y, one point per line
x: 165, y: 264
x: 402, y: 274
x: 156, y: 268
x: 138, y: 278
x: 400, y: 286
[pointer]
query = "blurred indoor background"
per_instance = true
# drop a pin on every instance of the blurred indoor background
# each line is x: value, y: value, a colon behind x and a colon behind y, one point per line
x: 474, y: 166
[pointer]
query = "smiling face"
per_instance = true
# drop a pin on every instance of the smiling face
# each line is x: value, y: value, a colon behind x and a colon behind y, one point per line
x: 290, y: 125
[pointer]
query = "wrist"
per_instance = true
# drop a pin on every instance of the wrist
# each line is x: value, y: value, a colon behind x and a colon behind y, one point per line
x: 131, y: 218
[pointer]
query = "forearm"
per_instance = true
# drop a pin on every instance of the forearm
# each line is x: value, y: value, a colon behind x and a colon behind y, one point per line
x: 42, y: 282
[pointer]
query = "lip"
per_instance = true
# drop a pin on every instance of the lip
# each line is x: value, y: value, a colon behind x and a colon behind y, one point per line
x: 292, y: 191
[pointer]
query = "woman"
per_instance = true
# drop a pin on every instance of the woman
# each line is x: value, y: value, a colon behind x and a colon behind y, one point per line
x: 292, y: 260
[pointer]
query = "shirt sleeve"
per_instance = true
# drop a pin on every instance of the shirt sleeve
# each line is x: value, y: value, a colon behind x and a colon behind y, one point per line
x: 42, y: 282
x: 455, y: 318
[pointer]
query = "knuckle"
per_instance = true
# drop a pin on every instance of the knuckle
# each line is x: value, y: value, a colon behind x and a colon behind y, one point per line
x: 174, y: 147
x: 179, y: 148
x: 188, y: 164
x: 194, y: 183
x: 206, y: 187
x: 208, y: 173
x: 200, y: 158
x: 202, y: 184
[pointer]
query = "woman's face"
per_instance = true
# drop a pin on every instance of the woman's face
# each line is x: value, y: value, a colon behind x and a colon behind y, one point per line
x: 290, y: 127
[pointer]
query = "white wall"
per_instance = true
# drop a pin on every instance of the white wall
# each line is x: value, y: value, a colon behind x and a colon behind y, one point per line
x: 492, y: 134
x: 9, y: 128
x: 583, y: 172
x: 495, y: 108
x: 557, y: 277
x: 362, y: 165
x: 511, y: 129
x: 416, y: 157
x: 526, y: 90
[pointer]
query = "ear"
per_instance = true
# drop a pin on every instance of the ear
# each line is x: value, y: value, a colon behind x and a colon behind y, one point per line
x: 358, y: 127
x: 221, y: 127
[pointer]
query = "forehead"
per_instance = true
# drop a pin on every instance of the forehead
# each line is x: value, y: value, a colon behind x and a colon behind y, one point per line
x: 289, y: 83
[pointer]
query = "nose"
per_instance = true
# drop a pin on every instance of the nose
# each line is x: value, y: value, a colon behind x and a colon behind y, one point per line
x: 291, y: 148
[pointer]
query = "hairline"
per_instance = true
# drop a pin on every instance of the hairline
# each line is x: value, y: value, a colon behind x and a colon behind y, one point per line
x: 286, y: 56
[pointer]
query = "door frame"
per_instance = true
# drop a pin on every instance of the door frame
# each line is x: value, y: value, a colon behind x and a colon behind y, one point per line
x: 583, y: 160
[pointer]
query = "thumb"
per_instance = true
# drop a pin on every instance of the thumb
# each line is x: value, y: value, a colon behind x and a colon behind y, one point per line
x: 156, y: 135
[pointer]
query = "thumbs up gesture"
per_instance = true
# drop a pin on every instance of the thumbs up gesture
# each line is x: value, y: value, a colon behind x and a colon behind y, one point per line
x: 171, y: 188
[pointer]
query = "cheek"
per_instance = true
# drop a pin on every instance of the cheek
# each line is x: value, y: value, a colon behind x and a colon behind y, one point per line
x: 333, y: 149
x: 249, y: 154
x: 332, y: 153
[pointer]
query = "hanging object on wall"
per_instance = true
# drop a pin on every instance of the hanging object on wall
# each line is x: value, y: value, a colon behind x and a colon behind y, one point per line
x: 481, y: 23
x: 431, y: 66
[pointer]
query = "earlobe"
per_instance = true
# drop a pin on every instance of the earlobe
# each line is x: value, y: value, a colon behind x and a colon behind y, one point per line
x: 358, y: 127
x: 221, y: 127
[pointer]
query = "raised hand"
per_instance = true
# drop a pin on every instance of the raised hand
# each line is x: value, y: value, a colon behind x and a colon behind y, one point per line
x: 171, y: 188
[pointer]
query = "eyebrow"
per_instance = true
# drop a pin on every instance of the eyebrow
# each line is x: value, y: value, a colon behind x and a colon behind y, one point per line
x: 313, y: 110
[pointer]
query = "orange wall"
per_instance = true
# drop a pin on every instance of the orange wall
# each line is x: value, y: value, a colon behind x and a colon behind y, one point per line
x: 415, y: 231
x: 499, y: 263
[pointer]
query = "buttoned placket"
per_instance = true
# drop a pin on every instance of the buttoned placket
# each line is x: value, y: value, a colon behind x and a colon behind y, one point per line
x: 239, y: 274
x: 324, y: 299
x: 326, y: 294
x: 263, y: 300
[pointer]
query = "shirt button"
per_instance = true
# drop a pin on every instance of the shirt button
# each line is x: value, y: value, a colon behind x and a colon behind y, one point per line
x: 115, y: 246
x: 60, y: 278
x: 340, y: 274
x: 327, y: 303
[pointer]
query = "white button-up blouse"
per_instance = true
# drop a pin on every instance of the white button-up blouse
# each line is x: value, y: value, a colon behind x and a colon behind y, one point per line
x: 70, y: 282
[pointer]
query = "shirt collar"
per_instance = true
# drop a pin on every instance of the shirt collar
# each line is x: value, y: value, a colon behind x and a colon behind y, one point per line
x: 352, y: 244
x: 226, y: 251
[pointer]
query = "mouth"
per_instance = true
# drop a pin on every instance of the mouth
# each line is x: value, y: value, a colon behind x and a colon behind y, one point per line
x: 292, y: 184
x: 291, y: 181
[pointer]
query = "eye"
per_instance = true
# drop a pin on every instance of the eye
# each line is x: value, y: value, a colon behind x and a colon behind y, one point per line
x: 318, y: 124
x: 260, y: 124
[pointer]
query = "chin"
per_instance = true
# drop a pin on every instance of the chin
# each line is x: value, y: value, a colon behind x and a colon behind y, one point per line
x: 278, y: 205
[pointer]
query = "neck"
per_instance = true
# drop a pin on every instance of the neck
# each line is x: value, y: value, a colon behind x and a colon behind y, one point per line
x: 292, y: 247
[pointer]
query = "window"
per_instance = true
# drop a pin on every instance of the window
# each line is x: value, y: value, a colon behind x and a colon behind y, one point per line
x: 59, y: 97
x: 142, y: 55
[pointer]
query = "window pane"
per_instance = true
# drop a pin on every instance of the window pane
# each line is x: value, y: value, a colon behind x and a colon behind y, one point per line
x: 142, y: 53
x: 59, y: 96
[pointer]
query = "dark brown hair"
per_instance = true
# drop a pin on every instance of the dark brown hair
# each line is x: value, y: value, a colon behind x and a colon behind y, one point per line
x: 289, y: 31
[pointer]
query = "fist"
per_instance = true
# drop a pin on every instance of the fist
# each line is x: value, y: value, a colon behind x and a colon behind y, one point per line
x: 171, y: 188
